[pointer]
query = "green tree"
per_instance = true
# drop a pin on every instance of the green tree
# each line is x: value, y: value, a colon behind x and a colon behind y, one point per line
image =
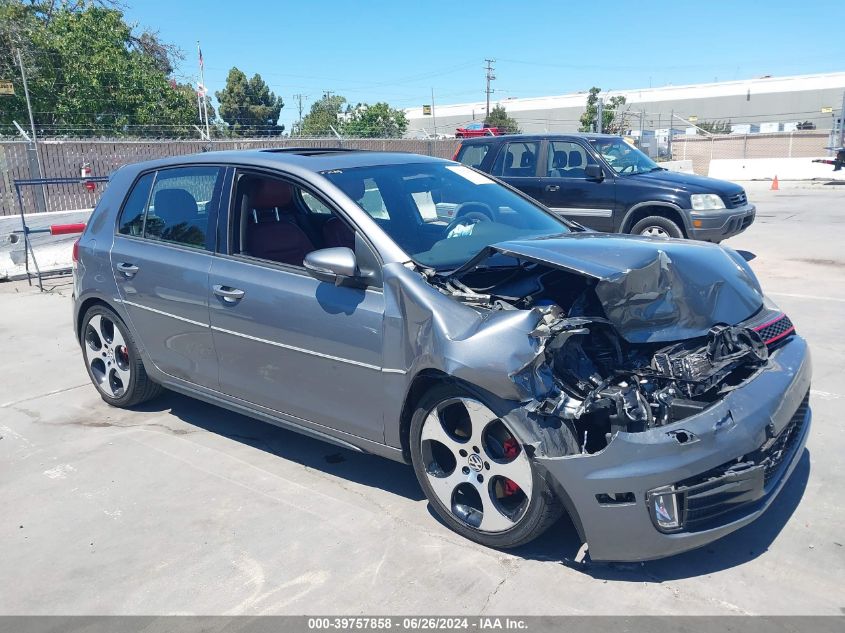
x: 89, y: 73
x: 499, y: 118
x: 324, y: 114
x: 249, y: 107
x: 375, y: 121
x: 715, y: 127
x: 614, y: 114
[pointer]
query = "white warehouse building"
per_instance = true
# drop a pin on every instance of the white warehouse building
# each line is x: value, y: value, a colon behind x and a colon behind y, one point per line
x: 765, y: 104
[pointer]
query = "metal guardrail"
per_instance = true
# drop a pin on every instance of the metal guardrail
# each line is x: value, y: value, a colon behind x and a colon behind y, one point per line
x: 89, y: 182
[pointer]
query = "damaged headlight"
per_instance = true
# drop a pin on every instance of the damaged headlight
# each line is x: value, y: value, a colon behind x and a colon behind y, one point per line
x: 706, y: 202
x: 665, y: 508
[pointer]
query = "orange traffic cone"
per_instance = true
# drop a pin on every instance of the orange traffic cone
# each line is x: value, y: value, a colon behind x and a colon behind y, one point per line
x: 775, y: 186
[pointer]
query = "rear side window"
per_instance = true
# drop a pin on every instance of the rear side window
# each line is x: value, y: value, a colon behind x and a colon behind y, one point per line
x: 473, y: 155
x: 173, y: 205
x: 132, y: 218
x: 517, y: 160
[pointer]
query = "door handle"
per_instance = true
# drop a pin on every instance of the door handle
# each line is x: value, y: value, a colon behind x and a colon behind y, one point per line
x: 128, y: 270
x: 230, y: 295
x: 552, y: 187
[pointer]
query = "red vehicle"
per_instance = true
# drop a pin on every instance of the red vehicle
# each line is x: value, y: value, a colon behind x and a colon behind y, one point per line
x: 477, y: 129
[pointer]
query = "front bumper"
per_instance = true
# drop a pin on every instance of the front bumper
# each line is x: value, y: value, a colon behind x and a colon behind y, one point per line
x: 715, y: 226
x: 740, y: 424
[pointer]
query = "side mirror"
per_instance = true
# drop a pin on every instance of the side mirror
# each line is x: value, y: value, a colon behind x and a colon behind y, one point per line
x: 333, y: 265
x: 594, y: 172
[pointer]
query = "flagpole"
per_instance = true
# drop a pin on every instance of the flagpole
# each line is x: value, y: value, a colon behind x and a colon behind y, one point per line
x: 204, y: 92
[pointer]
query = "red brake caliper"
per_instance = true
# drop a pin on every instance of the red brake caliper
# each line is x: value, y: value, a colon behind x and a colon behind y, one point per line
x: 511, y: 448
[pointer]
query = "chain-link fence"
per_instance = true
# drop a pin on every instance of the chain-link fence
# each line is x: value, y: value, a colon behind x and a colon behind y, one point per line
x: 58, y: 159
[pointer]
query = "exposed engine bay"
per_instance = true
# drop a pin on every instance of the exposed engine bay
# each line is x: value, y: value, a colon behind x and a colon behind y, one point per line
x: 605, y: 383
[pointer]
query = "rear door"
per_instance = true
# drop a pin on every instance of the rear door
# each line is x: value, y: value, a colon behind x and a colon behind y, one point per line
x: 566, y: 190
x: 161, y: 258
x: 287, y: 342
x: 517, y: 164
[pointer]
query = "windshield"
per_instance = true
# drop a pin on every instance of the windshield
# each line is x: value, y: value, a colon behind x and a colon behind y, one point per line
x: 622, y: 157
x: 442, y: 214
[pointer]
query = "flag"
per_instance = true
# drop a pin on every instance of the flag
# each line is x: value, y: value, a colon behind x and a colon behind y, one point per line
x: 199, y: 50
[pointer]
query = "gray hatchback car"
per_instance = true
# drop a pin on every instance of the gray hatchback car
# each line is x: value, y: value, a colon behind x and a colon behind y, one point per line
x: 526, y: 367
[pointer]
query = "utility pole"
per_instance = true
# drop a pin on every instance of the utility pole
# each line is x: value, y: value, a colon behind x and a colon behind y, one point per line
x: 33, y: 158
x: 299, y: 98
x: 490, y: 77
x: 433, y: 124
x: 842, y: 122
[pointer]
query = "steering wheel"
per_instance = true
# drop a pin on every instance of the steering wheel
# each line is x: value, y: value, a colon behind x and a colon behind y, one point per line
x: 629, y: 167
x: 471, y: 217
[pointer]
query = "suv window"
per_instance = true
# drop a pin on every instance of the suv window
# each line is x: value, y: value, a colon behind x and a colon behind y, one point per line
x: 517, y: 159
x: 132, y: 217
x: 473, y: 155
x: 566, y: 159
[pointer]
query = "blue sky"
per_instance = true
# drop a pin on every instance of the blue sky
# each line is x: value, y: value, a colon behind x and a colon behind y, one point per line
x: 398, y: 51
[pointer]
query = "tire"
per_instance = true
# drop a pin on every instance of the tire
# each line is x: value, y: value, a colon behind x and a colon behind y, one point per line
x: 112, y: 360
x: 454, y: 482
x: 657, y: 226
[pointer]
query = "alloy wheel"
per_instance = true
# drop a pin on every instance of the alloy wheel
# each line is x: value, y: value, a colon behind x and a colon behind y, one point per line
x: 107, y: 356
x: 475, y: 466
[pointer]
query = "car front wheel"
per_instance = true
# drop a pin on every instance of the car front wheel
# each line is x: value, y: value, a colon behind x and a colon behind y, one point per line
x: 657, y: 226
x: 477, y: 476
x: 112, y: 360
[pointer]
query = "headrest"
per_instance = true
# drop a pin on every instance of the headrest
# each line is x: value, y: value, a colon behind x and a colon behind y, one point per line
x: 559, y: 160
x: 508, y: 160
x: 175, y: 205
x: 575, y: 159
x: 270, y: 194
x: 527, y: 159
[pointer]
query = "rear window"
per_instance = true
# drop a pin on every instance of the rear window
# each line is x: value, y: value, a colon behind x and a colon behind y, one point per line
x: 473, y: 155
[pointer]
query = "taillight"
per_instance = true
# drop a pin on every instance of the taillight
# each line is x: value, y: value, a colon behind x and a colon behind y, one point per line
x: 75, y: 253
x: 457, y: 151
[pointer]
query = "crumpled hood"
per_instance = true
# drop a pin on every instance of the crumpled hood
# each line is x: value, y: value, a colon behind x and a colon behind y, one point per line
x: 652, y: 290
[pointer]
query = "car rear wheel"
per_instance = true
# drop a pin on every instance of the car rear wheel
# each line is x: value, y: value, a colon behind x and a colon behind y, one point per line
x: 657, y: 226
x: 112, y: 360
x: 477, y: 476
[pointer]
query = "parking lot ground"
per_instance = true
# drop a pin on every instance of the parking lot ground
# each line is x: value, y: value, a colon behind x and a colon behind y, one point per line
x: 178, y: 507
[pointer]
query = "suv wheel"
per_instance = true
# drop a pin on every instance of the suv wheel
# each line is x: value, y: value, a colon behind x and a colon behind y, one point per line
x: 112, y: 360
x: 477, y: 476
x: 657, y: 226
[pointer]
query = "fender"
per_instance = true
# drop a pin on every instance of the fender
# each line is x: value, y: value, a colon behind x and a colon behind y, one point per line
x: 623, y: 227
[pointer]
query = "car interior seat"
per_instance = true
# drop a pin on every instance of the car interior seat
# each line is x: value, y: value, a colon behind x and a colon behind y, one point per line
x: 576, y: 162
x: 177, y: 218
x: 558, y: 164
x: 272, y: 232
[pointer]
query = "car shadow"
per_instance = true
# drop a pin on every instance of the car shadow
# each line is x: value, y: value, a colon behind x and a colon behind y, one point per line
x: 559, y: 544
x: 362, y: 468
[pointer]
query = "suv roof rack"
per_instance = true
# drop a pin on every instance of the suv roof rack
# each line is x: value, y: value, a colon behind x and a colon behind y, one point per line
x: 309, y: 151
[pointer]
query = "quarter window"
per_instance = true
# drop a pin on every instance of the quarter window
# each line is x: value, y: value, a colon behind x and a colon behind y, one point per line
x: 473, y: 155
x: 132, y: 218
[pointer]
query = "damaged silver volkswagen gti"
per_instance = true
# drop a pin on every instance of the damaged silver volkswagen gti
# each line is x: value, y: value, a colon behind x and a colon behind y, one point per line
x: 414, y: 308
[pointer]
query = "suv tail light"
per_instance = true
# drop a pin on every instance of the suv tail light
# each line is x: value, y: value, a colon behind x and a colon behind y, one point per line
x: 457, y: 151
x: 75, y: 253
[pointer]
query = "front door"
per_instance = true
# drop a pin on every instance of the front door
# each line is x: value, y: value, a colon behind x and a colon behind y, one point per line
x: 286, y: 341
x: 566, y: 190
x: 161, y: 258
